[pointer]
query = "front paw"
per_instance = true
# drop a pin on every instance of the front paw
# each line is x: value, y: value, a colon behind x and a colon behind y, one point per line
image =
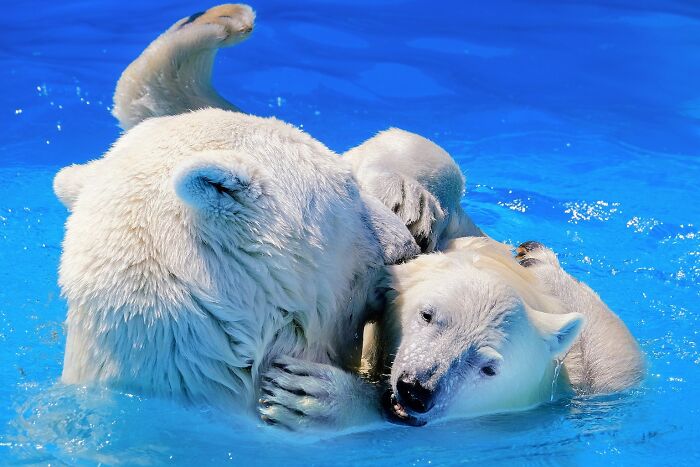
x: 412, y: 203
x: 299, y: 395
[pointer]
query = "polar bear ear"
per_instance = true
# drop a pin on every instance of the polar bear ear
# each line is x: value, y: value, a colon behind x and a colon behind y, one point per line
x: 216, y: 183
x: 68, y: 183
x: 559, y: 331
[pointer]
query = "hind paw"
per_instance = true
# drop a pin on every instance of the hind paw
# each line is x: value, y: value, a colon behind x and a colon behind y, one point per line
x: 235, y: 23
x: 531, y: 254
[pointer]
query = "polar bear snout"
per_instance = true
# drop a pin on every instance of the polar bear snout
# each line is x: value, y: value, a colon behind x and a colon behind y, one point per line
x: 413, y: 394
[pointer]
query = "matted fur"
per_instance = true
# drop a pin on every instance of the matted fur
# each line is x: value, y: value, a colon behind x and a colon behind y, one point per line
x: 203, y: 245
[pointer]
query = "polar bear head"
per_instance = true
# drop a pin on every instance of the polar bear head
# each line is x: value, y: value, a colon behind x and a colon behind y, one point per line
x: 473, y: 335
x: 203, y: 244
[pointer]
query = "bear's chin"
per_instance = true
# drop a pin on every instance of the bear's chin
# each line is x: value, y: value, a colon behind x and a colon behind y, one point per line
x: 394, y: 412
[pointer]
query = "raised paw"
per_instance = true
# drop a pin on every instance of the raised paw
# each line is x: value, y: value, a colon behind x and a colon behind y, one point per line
x: 413, y: 203
x: 236, y: 21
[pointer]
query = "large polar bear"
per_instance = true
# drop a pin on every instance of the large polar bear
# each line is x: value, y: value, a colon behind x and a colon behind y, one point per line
x: 207, y: 243
x: 201, y: 246
x: 470, y: 331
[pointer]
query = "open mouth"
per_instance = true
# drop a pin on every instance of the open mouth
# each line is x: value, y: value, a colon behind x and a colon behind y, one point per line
x: 396, y: 413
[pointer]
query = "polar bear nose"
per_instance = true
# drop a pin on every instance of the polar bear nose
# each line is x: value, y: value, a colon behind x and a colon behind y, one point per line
x: 413, y: 394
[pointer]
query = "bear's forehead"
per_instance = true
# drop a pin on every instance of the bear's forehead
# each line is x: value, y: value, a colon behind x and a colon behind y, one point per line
x: 477, y: 302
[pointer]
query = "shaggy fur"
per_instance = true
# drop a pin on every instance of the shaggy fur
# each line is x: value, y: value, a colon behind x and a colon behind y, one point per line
x: 203, y: 245
x: 606, y: 358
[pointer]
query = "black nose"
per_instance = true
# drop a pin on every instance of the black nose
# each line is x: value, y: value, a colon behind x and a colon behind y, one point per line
x: 414, y: 395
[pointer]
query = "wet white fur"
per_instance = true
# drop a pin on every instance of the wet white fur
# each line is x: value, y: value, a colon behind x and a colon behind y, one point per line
x: 606, y: 358
x: 203, y: 245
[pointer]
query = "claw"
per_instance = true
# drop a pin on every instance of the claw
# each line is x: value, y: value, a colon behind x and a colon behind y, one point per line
x: 528, y: 246
x: 528, y: 262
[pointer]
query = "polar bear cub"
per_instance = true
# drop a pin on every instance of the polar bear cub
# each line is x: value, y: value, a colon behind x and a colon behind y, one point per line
x: 469, y: 332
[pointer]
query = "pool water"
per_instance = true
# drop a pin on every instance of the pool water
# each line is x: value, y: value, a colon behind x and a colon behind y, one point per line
x: 576, y: 123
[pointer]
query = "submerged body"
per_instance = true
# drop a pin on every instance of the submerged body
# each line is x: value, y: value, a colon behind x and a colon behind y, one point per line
x: 203, y: 245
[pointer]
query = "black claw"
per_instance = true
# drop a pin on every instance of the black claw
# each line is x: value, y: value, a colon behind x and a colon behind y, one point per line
x: 527, y: 262
x: 531, y: 245
x: 268, y: 420
x: 269, y: 384
x: 286, y: 369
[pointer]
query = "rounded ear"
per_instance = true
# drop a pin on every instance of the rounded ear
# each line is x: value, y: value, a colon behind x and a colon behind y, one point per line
x: 68, y: 183
x: 559, y: 331
x: 217, y: 183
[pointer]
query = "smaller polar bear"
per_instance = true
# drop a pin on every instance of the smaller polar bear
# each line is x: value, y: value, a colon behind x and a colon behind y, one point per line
x: 409, y: 174
x: 470, y: 332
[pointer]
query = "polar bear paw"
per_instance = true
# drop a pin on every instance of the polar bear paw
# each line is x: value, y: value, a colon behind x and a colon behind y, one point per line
x: 543, y: 262
x: 533, y: 253
x: 407, y: 198
x: 234, y: 23
x: 302, y: 395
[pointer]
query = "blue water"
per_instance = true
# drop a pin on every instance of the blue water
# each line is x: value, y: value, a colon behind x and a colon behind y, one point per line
x: 577, y: 124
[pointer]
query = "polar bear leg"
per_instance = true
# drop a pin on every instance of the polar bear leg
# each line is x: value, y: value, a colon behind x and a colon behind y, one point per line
x: 606, y: 357
x: 302, y: 395
x: 173, y: 74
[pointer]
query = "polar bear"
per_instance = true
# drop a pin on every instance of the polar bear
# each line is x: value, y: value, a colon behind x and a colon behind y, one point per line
x: 469, y: 332
x: 410, y: 174
x: 203, y: 245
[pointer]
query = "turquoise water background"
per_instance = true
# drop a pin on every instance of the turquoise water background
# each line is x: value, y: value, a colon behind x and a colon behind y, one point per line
x: 577, y: 124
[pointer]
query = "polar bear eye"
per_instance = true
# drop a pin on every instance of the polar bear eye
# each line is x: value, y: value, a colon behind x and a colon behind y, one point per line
x: 426, y: 315
x: 488, y: 370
